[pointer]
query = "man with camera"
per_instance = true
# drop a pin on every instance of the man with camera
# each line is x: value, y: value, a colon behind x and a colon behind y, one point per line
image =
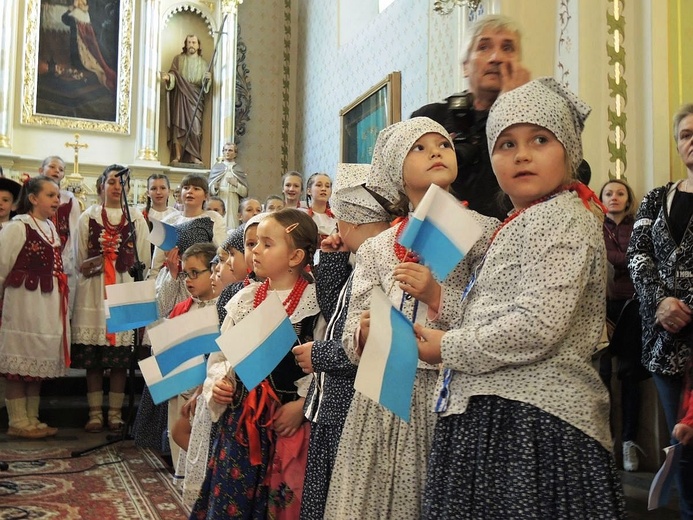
x: 492, y: 65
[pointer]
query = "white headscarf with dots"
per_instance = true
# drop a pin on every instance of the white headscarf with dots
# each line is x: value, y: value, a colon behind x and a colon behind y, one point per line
x: 391, y: 148
x: 543, y: 102
x: 350, y: 201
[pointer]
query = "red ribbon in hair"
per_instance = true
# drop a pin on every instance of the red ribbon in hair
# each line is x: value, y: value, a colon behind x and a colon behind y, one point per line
x: 586, y: 195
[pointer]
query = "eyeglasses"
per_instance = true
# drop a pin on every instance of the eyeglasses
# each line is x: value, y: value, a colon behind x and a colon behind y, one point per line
x: 193, y: 274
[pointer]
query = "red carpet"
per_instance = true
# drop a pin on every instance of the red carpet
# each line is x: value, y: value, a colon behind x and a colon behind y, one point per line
x: 57, y: 487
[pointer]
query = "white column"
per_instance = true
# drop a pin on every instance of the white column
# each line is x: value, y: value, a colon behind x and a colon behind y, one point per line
x: 567, y: 44
x: 9, y: 11
x: 225, y: 69
x: 148, y: 89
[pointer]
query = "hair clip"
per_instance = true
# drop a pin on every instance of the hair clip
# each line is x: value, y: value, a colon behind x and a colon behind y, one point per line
x: 290, y: 228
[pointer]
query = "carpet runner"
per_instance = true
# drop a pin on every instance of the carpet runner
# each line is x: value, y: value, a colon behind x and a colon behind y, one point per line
x: 117, y: 482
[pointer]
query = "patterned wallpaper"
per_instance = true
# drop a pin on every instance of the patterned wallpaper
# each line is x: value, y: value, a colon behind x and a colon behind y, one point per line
x: 325, y: 77
x: 331, y: 77
x: 260, y: 150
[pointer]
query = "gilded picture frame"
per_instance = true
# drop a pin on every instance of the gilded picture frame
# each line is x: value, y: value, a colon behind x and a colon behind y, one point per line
x: 78, y: 64
x: 365, y: 117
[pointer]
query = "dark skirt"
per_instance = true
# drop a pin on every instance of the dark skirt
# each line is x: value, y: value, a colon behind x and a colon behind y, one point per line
x: 150, y: 429
x: 233, y: 488
x: 97, y: 356
x: 322, y: 452
x: 508, y: 459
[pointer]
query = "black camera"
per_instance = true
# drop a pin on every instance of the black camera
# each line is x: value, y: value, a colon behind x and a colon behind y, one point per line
x: 468, y: 134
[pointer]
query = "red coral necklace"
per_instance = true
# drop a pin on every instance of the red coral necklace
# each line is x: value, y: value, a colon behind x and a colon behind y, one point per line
x: 291, y: 301
x: 50, y: 240
x: 402, y: 253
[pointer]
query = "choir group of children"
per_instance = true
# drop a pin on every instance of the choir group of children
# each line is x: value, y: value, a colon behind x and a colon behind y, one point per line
x: 508, y: 418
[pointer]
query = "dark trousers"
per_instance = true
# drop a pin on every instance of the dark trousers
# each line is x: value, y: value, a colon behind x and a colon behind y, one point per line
x: 630, y: 399
x: 669, y: 389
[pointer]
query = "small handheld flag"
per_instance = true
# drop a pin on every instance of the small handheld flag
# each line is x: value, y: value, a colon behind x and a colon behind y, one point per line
x: 188, y: 375
x: 441, y: 231
x: 130, y: 305
x: 388, y: 364
x: 163, y: 235
x: 257, y: 344
x: 660, y: 488
x: 184, y: 337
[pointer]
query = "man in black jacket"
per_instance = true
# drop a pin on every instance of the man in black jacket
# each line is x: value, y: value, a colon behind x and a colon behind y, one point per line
x: 492, y: 65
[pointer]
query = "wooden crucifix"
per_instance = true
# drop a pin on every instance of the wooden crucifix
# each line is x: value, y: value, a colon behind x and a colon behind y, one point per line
x: 76, y: 146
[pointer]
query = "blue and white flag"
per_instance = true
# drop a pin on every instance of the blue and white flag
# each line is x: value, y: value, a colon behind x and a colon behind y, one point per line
x: 256, y: 345
x: 130, y: 305
x: 188, y: 375
x: 163, y: 235
x: 441, y: 231
x: 176, y: 340
x: 388, y: 364
x: 660, y: 487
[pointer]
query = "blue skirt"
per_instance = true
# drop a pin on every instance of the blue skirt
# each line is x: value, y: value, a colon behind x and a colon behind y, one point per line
x: 508, y: 459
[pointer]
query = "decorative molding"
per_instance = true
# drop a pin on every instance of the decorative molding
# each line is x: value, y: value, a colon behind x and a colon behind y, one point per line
x: 243, y: 97
x: 618, y: 89
x: 193, y: 9
x: 121, y: 124
x: 567, y: 39
x: 286, y: 68
x: 446, y: 6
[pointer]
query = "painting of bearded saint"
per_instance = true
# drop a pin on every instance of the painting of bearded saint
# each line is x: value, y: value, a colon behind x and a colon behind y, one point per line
x: 78, y: 59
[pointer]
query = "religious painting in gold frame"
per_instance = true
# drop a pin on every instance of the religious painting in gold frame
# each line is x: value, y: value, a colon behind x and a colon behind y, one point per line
x: 78, y: 64
x: 363, y: 119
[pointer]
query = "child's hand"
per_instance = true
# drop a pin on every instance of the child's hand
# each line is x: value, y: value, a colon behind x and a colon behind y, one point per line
x: 417, y: 280
x: 302, y: 354
x: 683, y: 433
x: 288, y: 418
x: 223, y: 390
x: 365, y: 327
x: 333, y: 243
x: 428, y: 341
x: 188, y: 409
x: 172, y: 262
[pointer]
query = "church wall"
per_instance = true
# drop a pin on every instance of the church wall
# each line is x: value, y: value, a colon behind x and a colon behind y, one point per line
x: 331, y: 76
x: 262, y: 28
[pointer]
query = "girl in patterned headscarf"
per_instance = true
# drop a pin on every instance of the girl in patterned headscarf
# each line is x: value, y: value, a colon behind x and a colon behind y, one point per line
x: 380, y: 467
x: 360, y: 217
x: 523, y: 430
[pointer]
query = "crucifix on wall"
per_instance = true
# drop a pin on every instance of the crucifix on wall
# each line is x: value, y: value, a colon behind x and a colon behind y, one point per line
x: 76, y: 146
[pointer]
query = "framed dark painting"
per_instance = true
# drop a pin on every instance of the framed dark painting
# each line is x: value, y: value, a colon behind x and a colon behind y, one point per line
x: 78, y: 64
x: 362, y: 120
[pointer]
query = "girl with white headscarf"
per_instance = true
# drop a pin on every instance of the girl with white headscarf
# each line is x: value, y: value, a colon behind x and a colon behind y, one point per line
x: 380, y: 467
x: 523, y: 426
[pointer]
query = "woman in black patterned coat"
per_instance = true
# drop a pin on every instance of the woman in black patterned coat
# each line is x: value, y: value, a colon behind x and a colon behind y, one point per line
x: 660, y: 259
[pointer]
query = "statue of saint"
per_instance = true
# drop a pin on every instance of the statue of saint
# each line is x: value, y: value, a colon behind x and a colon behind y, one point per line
x: 228, y: 181
x: 187, y: 82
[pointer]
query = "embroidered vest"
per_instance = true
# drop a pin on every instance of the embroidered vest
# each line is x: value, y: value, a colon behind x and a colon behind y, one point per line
x: 287, y: 372
x: 36, y: 264
x: 126, y: 253
x: 62, y: 222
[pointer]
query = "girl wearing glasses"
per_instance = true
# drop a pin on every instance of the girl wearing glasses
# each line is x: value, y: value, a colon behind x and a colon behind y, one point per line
x: 195, y: 225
